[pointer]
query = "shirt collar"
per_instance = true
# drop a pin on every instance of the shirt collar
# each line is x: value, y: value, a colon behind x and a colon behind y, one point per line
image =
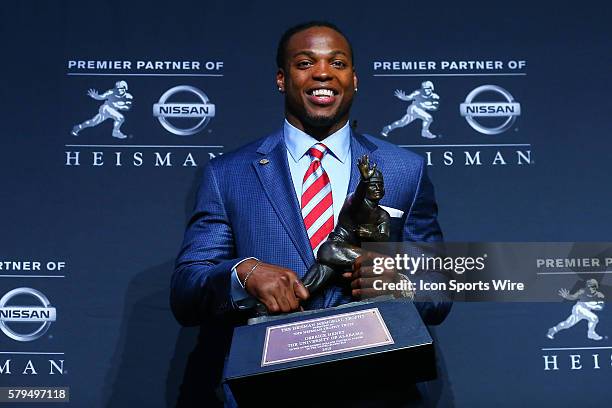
x: 298, y: 142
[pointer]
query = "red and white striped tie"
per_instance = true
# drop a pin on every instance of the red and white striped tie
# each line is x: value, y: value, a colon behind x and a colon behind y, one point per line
x: 317, y: 199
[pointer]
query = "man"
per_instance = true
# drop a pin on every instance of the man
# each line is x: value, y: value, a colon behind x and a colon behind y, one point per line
x: 263, y: 211
x: 423, y: 100
x: 115, y: 100
x: 589, y: 299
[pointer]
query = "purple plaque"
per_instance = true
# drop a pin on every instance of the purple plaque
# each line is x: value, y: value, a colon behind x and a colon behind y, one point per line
x: 323, y: 336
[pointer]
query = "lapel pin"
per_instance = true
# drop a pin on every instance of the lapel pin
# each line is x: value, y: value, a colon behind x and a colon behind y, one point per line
x: 264, y: 161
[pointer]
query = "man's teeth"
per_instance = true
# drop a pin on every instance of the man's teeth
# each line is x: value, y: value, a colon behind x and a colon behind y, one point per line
x: 323, y: 92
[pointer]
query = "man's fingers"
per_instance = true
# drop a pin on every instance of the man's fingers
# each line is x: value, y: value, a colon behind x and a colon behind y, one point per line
x: 357, y: 263
x: 365, y: 293
x: 273, y: 285
x: 271, y: 305
x: 364, y: 258
x: 287, y: 299
x: 365, y: 272
x: 283, y: 303
x: 300, y: 290
x: 362, y: 283
x: 294, y: 302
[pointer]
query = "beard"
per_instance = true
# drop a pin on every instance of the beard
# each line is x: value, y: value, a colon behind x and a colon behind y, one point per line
x: 321, y: 121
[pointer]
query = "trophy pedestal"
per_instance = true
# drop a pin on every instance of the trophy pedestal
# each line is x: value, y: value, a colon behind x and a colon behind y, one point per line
x: 370, y: 348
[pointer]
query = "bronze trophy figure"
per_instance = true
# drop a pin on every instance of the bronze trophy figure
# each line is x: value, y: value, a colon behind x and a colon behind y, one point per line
x: 360, y: 220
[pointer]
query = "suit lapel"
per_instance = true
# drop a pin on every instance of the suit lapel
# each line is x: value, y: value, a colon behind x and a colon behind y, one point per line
x: 275, y: 179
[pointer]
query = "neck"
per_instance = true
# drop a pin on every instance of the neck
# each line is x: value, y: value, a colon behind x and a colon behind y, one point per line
x: 317, y: 132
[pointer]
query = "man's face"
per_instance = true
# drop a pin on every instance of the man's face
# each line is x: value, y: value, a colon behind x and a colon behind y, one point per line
x: 318, y: 79
x: 376, y: 191
x: 427, y: 91
x: 121, y: 91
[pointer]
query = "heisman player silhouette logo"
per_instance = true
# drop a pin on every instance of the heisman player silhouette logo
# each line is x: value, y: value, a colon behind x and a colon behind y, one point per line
x: 115, y: 101
x: 423, y: 100
x: 589, y: 300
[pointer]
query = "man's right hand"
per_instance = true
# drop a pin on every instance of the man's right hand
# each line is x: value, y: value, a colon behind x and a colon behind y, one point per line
x: 278, y: 288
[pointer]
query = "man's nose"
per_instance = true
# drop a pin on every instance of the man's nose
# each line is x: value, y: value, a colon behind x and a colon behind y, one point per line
x: 322, y: 71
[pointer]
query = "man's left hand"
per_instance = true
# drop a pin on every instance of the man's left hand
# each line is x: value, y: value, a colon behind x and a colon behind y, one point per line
x: 363, y: 277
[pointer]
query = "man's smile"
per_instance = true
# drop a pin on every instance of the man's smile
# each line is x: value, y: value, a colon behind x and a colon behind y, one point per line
x: 321, y: 96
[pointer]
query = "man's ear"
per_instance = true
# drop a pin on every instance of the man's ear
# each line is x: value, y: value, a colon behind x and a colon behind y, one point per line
x: 280, y: 80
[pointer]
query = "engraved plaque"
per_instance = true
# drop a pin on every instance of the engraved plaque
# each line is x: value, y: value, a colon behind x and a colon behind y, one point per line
x: 323, y: 336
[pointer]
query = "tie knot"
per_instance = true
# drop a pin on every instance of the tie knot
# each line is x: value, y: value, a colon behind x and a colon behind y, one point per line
x: 317, y: 151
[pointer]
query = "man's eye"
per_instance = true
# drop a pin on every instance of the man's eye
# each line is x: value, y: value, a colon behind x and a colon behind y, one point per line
x: 339, y: 64
x: 304, y: 64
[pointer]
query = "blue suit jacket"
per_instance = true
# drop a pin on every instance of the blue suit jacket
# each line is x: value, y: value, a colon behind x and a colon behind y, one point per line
x: 246, y: 207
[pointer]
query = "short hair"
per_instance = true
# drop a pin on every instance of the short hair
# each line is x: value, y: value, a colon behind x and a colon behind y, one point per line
x: 281, y: 51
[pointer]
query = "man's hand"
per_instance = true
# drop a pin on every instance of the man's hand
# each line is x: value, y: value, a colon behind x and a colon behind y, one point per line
x: 278, y: 288
x: 363, y: 277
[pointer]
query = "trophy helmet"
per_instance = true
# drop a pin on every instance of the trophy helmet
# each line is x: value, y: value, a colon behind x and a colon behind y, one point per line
x: 121, y: 84
x: 592, y: 283
x: 427, y: 84
x: 376, y: 177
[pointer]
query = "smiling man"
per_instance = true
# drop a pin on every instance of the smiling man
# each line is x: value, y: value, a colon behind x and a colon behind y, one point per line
x: 263, y: 211
x: 316, y: 73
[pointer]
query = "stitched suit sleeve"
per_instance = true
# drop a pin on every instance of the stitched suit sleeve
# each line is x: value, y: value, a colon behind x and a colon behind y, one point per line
x: 422, y: 226
x: 201, y: 282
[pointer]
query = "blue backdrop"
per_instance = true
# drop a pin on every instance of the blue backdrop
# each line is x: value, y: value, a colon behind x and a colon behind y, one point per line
x: 114, y: 210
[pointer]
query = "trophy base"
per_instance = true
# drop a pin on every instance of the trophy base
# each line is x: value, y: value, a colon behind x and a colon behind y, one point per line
x: 272, y: 318
x: 370, y: 347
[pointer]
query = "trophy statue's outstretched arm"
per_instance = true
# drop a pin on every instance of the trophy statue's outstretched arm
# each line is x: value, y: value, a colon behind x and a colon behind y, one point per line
x: 359, y: 196
x: 365, y: 169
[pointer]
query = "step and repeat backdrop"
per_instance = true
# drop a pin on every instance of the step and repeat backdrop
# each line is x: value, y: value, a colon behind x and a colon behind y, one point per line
x: 110, y: 108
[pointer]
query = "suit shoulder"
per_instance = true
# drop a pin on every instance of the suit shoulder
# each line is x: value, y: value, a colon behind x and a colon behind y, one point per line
x: 391, y: 151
